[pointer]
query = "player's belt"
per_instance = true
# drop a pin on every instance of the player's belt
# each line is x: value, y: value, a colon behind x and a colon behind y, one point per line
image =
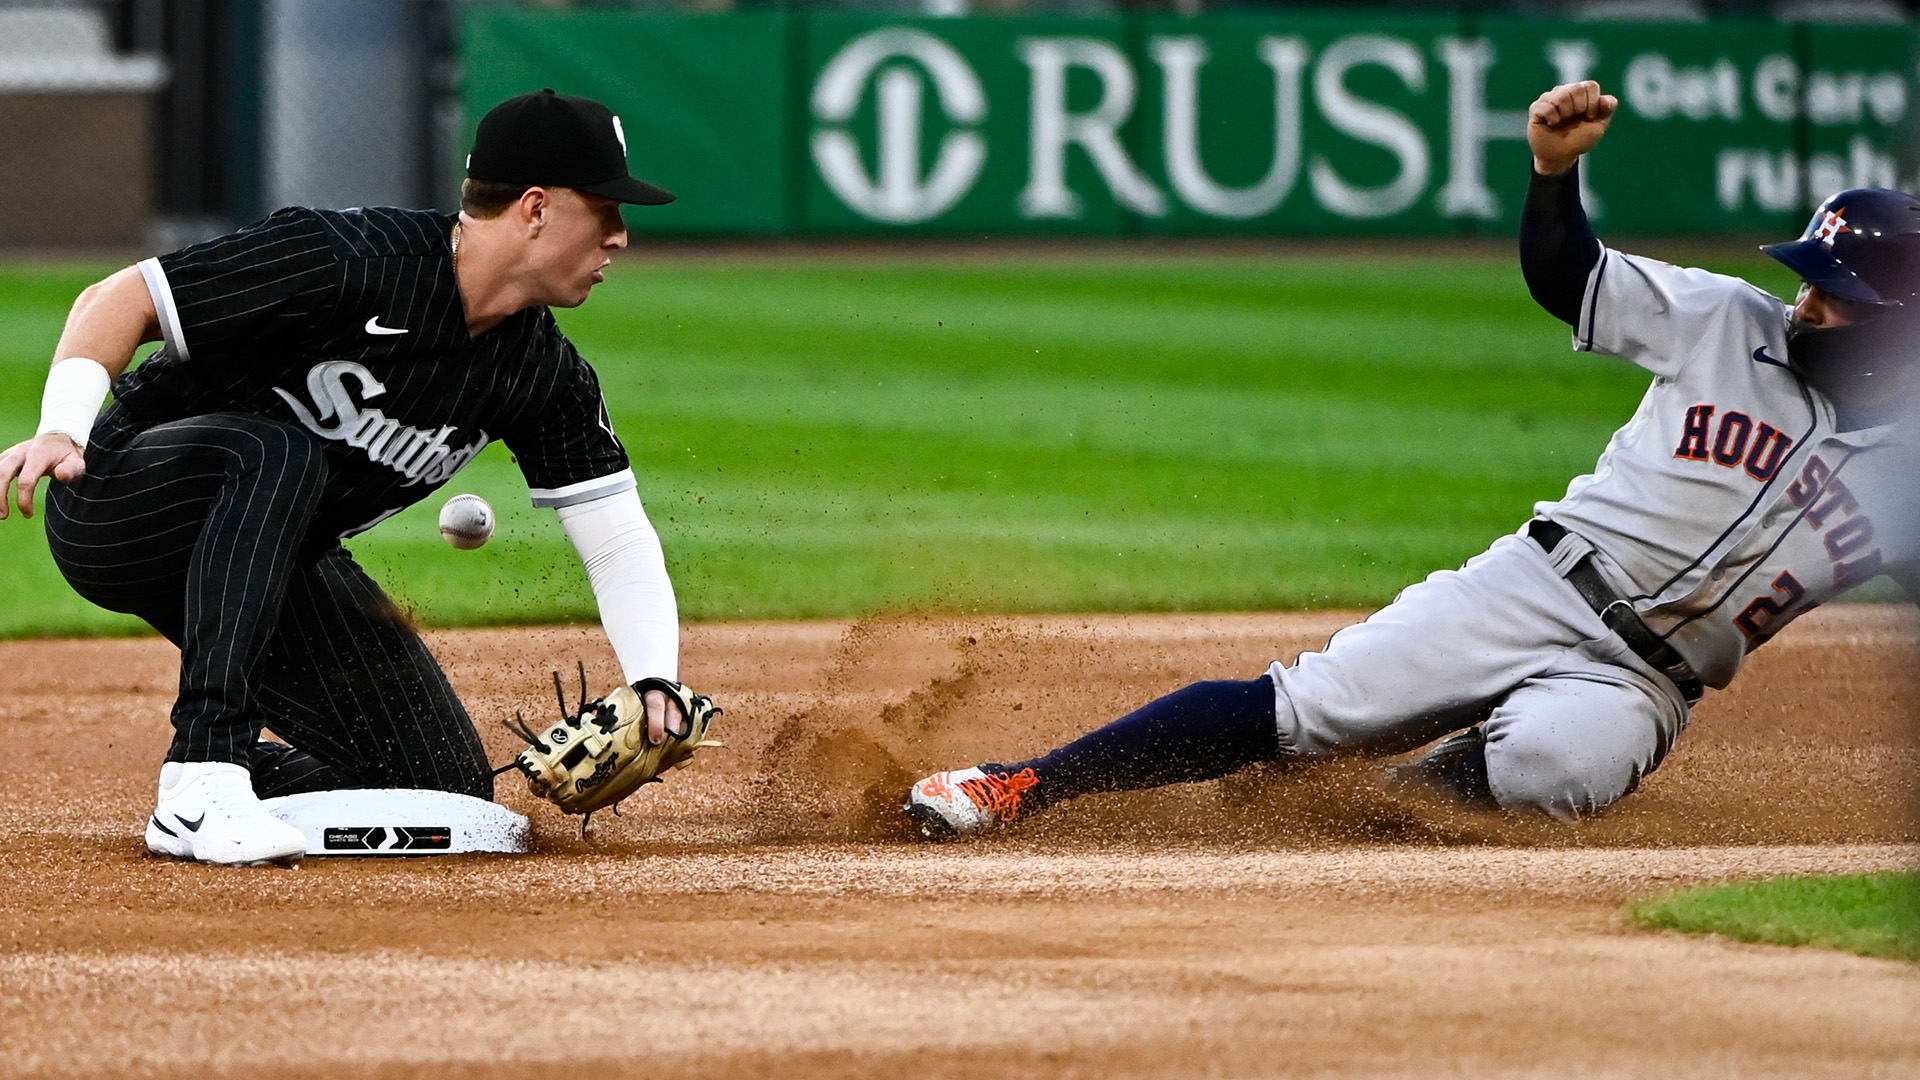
x: 1618, y: 614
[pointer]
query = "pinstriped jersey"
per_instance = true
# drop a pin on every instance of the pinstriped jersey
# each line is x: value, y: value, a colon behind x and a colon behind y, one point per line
x: 1731, y: 502
x: 349, y: 324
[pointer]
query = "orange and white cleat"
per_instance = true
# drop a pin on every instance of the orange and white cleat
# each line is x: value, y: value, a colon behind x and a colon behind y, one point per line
x: 968, y: 801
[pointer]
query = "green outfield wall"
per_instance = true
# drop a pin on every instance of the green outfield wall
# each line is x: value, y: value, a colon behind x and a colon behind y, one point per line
x: 777, y: 122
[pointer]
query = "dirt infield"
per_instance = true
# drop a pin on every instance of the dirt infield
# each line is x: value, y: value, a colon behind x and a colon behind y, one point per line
x: 761, y: 914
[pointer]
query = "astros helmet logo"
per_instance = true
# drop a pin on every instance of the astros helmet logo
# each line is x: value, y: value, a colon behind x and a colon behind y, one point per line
x: 1830, y: 225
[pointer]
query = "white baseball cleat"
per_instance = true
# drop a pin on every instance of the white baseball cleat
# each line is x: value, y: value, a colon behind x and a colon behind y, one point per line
x: 968, y: 801
x: 209, y: 813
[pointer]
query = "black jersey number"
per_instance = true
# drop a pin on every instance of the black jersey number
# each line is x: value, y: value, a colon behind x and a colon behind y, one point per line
x: 1757, y: 620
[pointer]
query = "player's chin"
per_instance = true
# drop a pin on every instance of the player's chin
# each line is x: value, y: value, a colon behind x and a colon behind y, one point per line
x: 577, y: 297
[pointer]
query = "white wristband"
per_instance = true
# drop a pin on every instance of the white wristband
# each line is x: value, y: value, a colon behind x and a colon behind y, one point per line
x: 76, y: 388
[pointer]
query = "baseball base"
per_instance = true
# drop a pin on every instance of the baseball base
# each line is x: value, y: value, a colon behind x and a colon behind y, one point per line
x: 401, y: 821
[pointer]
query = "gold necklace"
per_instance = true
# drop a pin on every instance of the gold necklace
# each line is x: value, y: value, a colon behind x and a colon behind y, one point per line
x: 456, y: 246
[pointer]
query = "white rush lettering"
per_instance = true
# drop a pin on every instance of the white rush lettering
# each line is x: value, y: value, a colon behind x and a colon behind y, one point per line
x: 419, y: 454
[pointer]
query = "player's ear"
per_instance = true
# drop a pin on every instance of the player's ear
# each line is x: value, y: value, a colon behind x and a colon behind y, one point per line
x: 534, y: 206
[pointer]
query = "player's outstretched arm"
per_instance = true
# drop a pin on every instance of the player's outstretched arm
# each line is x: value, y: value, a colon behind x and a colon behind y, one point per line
x: 1565, y: 123
x: 111, y: 319
x: 1558, y: 248
x: 628, y: 573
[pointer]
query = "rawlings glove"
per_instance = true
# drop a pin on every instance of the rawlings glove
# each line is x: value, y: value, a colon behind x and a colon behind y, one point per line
x: 598, y: 756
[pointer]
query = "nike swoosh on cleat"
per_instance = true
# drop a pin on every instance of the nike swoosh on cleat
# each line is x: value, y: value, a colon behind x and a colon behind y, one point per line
x: 158, y: 824
x: 194, y: 825
x: 374, y: 327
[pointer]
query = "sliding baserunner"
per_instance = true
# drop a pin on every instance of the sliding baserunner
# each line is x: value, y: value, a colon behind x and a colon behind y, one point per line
x: 1770, y: 466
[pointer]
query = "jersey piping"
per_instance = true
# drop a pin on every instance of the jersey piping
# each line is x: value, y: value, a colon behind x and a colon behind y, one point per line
x: 162, y: 294
x: 584, y: 491
x: 1593, y: 300
x: 1736, y: 585
x: 1585, y: 343
x: 1782, y: 471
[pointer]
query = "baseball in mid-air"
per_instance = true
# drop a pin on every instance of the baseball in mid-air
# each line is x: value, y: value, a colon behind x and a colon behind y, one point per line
x: 466, y: 522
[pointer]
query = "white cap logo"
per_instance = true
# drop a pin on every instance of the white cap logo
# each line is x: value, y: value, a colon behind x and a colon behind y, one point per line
x: 621, y: 134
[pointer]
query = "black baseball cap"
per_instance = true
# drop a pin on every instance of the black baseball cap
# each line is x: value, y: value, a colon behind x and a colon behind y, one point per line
x: 558, y: 140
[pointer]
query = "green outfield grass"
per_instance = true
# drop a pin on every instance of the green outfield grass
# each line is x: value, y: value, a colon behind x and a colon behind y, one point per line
x: 1870, y: 914
x: 842, y: 434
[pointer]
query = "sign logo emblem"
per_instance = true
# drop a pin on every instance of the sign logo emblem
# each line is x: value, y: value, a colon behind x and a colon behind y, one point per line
x: 898, y: 63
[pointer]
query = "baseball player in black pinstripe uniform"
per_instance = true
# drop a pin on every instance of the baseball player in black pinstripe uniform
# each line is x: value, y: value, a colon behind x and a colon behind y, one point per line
x: 321, y: 371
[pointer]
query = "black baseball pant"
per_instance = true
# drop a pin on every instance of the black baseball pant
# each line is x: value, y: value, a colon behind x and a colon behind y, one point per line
x: 201, y: 527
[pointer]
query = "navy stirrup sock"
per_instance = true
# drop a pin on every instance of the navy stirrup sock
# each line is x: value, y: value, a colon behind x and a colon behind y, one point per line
x: 1205, y: 731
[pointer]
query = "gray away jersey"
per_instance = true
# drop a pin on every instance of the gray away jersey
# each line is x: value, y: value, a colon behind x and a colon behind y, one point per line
x: 1730, y: 503
x: 349, y: 324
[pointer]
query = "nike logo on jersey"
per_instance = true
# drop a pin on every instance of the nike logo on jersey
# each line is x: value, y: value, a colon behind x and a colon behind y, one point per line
x: 374, y: 327
x: 1760, y: 356
x: 419, y: 454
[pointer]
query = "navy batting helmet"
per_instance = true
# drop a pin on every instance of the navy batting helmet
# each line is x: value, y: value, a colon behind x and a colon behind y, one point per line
x: 1862, y: 245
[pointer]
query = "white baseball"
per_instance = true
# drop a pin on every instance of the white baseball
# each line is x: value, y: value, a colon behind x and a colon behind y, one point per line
x: 466, y: 522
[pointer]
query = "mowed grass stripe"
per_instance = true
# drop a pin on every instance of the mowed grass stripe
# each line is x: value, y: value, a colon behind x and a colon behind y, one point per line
x: 999, y: 432
x: 1467, y: 350
x: 1172, y: 421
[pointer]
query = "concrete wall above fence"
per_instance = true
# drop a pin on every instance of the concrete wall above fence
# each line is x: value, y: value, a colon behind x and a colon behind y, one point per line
x: 76, y: 132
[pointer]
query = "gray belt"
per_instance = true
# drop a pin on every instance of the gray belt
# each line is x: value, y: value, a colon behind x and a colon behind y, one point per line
x: 1618, y: 614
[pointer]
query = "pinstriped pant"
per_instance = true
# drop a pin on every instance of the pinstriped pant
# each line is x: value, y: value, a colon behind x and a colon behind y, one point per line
x: 200, y: 527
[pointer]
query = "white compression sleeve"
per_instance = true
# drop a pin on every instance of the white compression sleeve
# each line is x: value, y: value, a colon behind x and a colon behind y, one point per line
x: 628, y: 572
x: 76, y: 388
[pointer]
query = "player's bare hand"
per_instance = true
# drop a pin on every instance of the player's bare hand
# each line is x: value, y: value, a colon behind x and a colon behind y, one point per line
x: 1566, y: 122
x: 26, y: 464
x: 663, y: 714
